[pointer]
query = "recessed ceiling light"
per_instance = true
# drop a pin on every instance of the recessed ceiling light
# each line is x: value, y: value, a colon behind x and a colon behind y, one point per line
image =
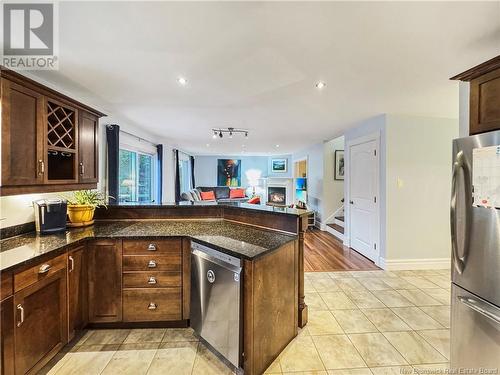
x: 320, y: 85
x: 277, y: 146
x: 182, y: 81
x: 208, y: 144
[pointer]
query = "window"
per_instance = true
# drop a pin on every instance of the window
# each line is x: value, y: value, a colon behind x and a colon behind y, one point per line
x: 136, y: 176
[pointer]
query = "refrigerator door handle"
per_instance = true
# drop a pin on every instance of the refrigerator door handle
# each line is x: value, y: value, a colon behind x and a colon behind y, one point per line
x: 480, y: 307
x: 459, y: 164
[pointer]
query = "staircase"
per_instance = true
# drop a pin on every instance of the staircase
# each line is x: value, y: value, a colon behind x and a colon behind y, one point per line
x: 337, y: 227
x: 335, y: 223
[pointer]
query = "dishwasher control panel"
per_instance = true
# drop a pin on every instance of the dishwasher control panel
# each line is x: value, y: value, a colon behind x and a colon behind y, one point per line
x: 216, y: 254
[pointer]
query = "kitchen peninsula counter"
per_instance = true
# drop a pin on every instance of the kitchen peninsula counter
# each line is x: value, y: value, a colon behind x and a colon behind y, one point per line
x: 238, y: 240
x: 129, y: 244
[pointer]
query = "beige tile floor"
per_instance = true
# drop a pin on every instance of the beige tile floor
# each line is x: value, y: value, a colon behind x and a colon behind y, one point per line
x: 360, y: 323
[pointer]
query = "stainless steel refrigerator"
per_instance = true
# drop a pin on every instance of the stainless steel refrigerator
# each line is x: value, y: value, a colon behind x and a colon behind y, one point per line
x: 475, y: 235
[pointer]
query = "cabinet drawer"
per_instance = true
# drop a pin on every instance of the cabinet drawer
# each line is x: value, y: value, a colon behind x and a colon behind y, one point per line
x: 38, y: 272
x: 152, y: 262
x: 169, y: 246
x: 142, y: 305
x: 151, y: 279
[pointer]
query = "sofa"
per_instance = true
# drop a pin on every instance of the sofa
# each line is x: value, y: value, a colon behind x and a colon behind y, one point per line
x: 221, y: 194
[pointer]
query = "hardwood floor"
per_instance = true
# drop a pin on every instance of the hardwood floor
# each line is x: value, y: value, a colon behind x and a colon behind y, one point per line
x: 324, y: 253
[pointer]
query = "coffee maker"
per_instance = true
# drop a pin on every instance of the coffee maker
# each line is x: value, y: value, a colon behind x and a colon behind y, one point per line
x: 50, y: 215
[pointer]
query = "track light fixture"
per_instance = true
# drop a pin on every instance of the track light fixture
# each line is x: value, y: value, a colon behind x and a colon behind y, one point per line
x: 231, y: 131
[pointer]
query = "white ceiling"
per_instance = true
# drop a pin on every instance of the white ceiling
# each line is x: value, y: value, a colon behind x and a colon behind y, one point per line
x: 255, y: 65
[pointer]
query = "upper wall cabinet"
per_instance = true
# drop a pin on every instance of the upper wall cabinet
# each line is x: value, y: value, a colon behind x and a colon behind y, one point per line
x: 49, y: 141
x: 484, y: 96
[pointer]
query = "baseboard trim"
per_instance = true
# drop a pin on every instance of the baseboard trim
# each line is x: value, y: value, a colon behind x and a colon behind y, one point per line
x: 334, y: 233
x: 414, y: 264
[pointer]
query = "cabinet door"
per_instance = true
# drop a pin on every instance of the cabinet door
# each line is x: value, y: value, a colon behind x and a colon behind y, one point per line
x: 7, y: 336
x: 105, y: 281
x: 77, y: 291
x: 485, y: 103
x: 40, y: 322
x: 88, y: 164
x: 22, y: 135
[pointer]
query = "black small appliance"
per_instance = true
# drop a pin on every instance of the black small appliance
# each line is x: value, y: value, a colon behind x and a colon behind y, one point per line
x: 50, y: 215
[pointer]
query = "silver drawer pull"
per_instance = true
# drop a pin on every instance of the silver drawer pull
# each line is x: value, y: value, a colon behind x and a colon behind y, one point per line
x: 152, y: 247
x: 152, y: 264
x: 21, y: 309
x: 151, y: 280
x: 44, y: 268
x: 152, y: 306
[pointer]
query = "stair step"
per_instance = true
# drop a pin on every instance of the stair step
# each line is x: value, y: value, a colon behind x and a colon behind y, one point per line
x: 337, y: 227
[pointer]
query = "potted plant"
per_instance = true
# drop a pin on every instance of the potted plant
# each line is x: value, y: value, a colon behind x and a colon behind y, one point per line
x: 82, y: 205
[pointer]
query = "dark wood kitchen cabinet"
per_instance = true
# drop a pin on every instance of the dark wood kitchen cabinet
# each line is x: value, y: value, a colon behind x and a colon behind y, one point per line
x: 105, y: 281
x: 49, y: 141
x: 6, y: 324
x: 484, y: 96
x: 7, y: 336
x: 22, y: 135
x: 88, y: 147
x: 77, y: 291
x: 40, y: 323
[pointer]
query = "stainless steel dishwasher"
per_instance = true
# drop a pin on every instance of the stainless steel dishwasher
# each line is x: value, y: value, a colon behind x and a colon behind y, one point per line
x: 215, y: 300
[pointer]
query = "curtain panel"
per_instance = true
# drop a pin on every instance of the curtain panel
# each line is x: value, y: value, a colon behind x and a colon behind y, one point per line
x: 113, y: 153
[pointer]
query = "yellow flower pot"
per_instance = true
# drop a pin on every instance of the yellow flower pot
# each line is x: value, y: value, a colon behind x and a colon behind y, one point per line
x: 80, y: 213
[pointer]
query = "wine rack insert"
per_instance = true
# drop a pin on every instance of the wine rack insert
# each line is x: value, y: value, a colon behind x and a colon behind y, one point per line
x: 61, y: 126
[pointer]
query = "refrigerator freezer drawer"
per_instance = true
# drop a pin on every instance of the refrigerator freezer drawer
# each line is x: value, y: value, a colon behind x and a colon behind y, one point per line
x: 475, y: 332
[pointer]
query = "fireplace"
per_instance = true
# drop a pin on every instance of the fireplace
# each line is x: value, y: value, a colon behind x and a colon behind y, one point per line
x: 276, y: 195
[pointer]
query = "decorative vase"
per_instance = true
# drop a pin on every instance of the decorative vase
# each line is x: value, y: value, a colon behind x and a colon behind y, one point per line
x: 81, y: 214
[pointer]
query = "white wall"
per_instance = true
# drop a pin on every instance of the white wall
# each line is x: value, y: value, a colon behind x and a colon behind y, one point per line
x: 205, y: 168
x: 314, y: 155
x: 415, y: 184
x: 419, y: 156
x: 333, y: 190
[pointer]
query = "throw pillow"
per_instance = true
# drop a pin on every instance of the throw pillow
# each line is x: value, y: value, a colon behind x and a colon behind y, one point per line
x: 254, y: 200
x: 237, y: 193
x: 208, y: 195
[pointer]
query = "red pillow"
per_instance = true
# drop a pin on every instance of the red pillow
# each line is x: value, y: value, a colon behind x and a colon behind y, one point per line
x: 237, y: 193
x: 254, y: 200
x: 207, y: 196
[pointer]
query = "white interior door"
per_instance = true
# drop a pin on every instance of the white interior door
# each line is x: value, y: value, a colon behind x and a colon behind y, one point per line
x: 363, y: 190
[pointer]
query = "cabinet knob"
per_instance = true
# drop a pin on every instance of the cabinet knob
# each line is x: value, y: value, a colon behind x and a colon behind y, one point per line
x: 152, y: 247
x: 152, y: 264
x: 152, y: 306
x: 152, y: 280
x: 44, y: 268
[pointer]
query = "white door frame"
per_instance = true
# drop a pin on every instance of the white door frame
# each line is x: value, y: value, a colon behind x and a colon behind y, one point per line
x: 347, y: 207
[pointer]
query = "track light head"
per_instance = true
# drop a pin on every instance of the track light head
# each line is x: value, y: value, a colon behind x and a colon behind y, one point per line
x: 220, y: 134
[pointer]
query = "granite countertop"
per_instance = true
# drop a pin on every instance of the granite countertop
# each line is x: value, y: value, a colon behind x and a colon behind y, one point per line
x: 238, y: 240
x: 236, y: 204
